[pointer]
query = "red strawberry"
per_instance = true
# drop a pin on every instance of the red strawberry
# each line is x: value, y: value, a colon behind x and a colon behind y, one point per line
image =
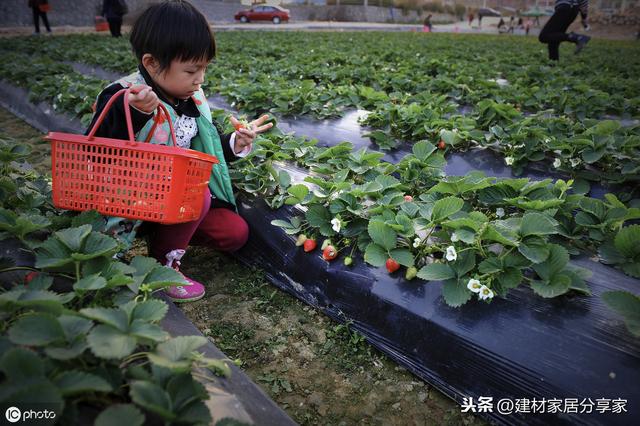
x: 392, y: 265
x: 441, y: 144
x: 329, y: 253
x: 30, y: 276
x: 408, y: 198
x: 309, y: 245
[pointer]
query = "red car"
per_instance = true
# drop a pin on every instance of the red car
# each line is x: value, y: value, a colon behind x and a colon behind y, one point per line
x: 275, y: 14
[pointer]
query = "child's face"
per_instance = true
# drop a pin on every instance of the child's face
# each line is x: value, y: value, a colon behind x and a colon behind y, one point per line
x: 182, y: 79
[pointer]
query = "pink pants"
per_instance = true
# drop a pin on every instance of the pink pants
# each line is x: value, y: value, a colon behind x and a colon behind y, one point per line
x: 220, y: 229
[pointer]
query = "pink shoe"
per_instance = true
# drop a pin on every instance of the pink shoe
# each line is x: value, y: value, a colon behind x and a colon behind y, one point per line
x: 179, y: 293
x: 187, y: 293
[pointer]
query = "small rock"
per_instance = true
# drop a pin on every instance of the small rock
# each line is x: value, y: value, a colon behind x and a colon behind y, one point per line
x: 396, y: 406
x: 422, y: 396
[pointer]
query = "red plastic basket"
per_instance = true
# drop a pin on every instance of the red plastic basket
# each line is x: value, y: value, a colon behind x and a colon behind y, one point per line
x: 101, y: 24
x: 129, y: 179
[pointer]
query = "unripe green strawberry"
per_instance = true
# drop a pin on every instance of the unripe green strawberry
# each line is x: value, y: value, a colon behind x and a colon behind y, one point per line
x: 301, y: 239
x: 411, y: 273
x: 348, y: 261
x: 325, y: 243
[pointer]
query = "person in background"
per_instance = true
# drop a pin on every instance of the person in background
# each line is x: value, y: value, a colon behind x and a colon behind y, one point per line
x: 502, y: 26
x: 554, y: 31
x: 113, y: 11
x: 471, y: 18
x: 40, y: 8
x: 511, y: 24
x: 428, y: 26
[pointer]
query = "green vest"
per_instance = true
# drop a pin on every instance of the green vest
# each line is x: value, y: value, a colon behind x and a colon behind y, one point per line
x: 207, y: 140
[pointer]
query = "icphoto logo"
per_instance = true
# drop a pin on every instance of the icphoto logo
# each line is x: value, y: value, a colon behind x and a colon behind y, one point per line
x: 13, y: 414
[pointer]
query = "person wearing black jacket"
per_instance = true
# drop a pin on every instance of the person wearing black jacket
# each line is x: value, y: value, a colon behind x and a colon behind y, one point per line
x: 113, y: 11
x: 554, y: 31
x: 39, y: 12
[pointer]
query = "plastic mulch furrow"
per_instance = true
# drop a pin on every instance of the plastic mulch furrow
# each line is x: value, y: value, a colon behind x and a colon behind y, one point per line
x: 521, y: 347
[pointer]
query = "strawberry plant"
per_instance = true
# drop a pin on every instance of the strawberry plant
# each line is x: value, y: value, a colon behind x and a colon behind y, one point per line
x: 81, y: 331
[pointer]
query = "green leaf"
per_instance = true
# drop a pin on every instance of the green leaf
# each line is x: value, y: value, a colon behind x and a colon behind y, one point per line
x: 20, y: 364
x: 423, y: 149
x: 73, y: 238
x: 74, y: 326
x: 627, y: 305
x: 97, y: 245
x: 145, y: 330
x: 36, y: 330
x: 455, y: 293
x: 436, y: 272
x: 92, y: 282
x: 445, y: 207
x: 76, y: 382
x: 151, y: 397
x: 509, y: 278
x: 558, y: 285
x: 150, y: 310
x: 465, y: 262
x: 627, y: 241
x: 534, y: 249
x: 110, y: 343
x: 403, y: 257
x: 556, y: 262
x: 120, y: 415
x: 112, y: 316
x: 180, y: 347
x: 382, y: 234
x: 537, y: 224
x: 490, y: 265
x: 299, y: 192
x: 375, y: 255
x: 161, y: 277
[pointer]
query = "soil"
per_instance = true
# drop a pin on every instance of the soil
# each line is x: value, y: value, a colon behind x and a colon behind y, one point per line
x: 320, y: 372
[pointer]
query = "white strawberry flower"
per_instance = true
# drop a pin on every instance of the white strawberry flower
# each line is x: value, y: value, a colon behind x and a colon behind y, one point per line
x: 485, y: 293
x: 335, y: 224
x: 454, y: 237
x: 474, y: 285
x: 557, y: 163
x: 574, y: 162
x: 500, y: 212
x: 451, y: 254
x: 416, y: 242
x: 509, y: 160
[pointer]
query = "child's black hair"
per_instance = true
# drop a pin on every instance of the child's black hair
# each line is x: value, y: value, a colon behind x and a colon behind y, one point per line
x: 170, y: 30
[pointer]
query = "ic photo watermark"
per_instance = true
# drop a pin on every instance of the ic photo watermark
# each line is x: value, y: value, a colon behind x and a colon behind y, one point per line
x: 16, y: 415
x: 506, y: 406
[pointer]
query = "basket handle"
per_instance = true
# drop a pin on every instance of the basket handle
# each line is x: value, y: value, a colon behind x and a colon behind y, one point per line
x: 127, y: 113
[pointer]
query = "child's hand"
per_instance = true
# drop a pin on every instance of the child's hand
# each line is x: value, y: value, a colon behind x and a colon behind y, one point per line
x: 246, y: 135
x: 143, y: 98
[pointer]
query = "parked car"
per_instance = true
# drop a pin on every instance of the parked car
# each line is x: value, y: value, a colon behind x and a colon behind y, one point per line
x: 275, y: 14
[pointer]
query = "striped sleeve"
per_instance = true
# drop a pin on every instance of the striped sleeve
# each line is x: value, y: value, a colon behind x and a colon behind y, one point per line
x: 584, y: 8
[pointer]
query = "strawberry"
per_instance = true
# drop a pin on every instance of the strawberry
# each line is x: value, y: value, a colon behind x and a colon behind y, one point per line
x: 392, y: 265
x: 309, y: 245
x: 301, y: 239
x: 238, y: 126
x: 408, y: 198
x: 329, y: 253
x: 441, y: 144
x: 348, y: 261
x: 30, y: 276
x: 412, y: 271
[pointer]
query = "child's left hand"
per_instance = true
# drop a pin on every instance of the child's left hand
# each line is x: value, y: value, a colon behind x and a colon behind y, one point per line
x: 246, y: 135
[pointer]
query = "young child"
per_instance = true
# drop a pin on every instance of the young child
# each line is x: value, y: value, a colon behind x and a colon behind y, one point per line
x: 174, y: 44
